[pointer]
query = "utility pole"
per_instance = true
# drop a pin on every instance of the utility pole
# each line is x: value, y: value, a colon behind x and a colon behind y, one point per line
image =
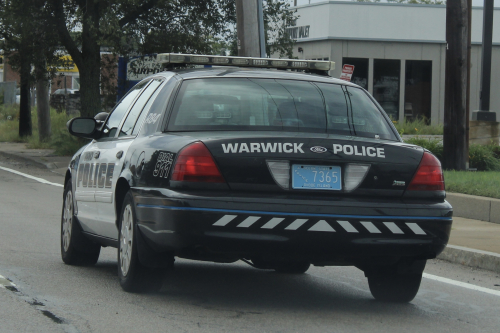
x: 247, y: 26
x: 455, y: 102
x: 484, y: 107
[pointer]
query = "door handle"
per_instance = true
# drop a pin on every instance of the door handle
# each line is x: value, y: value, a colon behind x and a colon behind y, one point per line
x: 119, y: 154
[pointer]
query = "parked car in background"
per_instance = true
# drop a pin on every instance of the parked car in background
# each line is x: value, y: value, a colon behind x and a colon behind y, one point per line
x: 58, y: 98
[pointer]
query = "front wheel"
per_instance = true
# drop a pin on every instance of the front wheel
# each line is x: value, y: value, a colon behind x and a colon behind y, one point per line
x: 134, y: 277
x: 75, y: 248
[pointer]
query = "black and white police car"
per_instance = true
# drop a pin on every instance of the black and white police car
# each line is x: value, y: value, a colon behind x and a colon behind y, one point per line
x: 281, y: 169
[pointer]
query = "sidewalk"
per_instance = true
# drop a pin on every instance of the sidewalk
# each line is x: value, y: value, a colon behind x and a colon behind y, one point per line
x: 473, y: 242
x: 43, y: 158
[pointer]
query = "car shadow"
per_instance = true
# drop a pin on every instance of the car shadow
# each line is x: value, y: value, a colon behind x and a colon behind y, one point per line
x: 241, y: 288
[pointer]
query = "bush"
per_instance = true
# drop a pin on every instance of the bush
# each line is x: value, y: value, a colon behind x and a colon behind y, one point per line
x: 484, y: 158
x: 481, y: 157
x: 61, y: 141
x: 417, y: 126
x: 433, y: 145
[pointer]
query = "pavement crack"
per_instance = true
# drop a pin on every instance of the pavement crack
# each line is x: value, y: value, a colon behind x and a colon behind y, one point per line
x: 52, y: 316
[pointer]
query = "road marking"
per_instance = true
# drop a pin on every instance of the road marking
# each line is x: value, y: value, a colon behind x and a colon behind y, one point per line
x: 41, y: 180
x: 5, y: 283
x: 462, y: 284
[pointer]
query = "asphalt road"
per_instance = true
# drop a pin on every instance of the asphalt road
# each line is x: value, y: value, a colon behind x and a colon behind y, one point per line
x: 50, y: 296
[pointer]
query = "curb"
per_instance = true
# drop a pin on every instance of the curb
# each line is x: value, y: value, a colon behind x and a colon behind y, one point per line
x: 28, y: 160
x: 471, y: 257
x: 475, y: 207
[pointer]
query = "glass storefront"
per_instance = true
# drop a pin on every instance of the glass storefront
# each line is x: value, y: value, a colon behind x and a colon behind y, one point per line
x: 360, y: 74
x: 418, y: 90
x: 386, y: 76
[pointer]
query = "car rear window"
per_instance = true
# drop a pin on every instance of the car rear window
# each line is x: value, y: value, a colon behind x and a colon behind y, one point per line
x: 232, y: 104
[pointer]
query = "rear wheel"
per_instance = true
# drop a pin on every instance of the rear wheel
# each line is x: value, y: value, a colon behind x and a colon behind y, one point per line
x: 390, y: 285
x: 75, y: 248
x: 134, y: 277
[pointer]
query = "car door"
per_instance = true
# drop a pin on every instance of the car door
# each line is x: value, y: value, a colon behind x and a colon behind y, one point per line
x: 113, y: 153
x: 95, y: 170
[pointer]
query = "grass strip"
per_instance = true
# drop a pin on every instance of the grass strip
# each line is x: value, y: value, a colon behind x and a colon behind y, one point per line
x: 481, y: 183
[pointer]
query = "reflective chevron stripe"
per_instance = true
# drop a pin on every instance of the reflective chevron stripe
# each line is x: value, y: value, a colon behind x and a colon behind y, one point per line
x: 321, y: 225
x: 371, y: 227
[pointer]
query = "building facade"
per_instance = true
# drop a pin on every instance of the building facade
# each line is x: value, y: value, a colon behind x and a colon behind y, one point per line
x: 398, y: 50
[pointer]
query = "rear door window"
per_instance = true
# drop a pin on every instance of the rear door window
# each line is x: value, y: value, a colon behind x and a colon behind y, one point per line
x: 116, y: 116
x: 136, y: 110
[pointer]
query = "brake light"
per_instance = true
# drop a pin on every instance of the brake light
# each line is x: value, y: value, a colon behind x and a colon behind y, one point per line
x: 196, y: 164
x: 429, y: 176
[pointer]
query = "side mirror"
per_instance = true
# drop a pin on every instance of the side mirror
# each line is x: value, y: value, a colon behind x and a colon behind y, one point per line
x: 83, y: 127
x: 101, y: 117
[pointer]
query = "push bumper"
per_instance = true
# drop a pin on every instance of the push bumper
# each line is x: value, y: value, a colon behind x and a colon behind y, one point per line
x: 315, y: 229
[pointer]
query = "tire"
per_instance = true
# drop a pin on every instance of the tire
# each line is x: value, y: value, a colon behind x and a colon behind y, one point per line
x: 134, y: 277
x: 299, y: 267
x: 76, y: 249
x: 395, y: 288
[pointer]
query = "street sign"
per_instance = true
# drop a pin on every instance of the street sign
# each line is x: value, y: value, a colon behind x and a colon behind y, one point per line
x: 347, y: 71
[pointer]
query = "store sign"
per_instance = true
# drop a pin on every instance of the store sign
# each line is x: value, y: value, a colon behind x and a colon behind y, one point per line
x: 141, y: 67
x: 298, y: 32
x: 67, y: 65
x: 347, y: 71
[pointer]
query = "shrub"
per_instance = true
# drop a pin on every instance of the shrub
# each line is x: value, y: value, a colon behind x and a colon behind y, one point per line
x: 484, y: 158
x: 433, y: 145
x: 417, y: 126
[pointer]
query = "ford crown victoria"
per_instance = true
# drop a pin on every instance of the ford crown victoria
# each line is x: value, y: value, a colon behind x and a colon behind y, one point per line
x: 246, y: 161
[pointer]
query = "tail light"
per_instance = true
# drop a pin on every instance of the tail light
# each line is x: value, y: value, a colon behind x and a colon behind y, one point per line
x: 196, y: 164
x: 429, y: 176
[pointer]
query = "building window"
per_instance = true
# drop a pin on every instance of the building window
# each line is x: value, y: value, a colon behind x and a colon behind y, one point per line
x: 418, y: 90
x: 75, y: 83
x: 360, y: 74
x: 386, y: 76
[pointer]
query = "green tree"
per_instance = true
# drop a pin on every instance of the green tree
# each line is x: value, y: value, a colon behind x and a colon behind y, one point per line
x: 30, y: 41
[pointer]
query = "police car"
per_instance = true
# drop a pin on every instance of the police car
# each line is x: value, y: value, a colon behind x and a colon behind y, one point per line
x: 249, y: 160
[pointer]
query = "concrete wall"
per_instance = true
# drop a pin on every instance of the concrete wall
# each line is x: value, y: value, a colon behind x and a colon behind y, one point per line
x: 385, y: 21
x: 395, y: 31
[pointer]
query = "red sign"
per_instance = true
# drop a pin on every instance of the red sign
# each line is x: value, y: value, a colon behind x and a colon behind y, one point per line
x: 347, y: 71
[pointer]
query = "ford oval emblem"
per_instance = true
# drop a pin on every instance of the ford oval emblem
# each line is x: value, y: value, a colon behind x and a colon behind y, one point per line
x: 319, y: 149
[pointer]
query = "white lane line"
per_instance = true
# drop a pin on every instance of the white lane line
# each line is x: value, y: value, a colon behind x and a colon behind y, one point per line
x: 41, y: 180
x: 462, y: 284
x: 5, y: 283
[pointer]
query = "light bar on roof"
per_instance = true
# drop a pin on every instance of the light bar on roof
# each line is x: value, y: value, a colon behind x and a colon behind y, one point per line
x: 177, y: 58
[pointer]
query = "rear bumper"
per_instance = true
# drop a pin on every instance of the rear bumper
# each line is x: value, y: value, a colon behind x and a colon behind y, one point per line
x: 316, y: 230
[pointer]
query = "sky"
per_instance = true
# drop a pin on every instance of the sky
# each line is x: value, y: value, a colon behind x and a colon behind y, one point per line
x: 474, y: 2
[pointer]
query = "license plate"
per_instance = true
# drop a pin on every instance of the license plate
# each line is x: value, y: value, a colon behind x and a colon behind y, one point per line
x: 316, y: 177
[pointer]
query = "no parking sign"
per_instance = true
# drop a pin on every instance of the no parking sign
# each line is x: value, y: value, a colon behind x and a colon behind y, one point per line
x: 347, y: 71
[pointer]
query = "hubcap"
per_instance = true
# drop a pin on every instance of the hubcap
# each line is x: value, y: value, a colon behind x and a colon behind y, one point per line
x: 67, y: 220
x: 126, y: 236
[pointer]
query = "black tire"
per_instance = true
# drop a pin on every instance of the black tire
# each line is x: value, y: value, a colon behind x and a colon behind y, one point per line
x: 396, y: 288
x: 299, y: 267
x: 76, y: 249
x: 134, y: 277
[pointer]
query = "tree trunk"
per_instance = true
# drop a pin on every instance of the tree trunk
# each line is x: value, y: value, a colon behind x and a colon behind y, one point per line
x: 90, y: 71
x: 25, y: 128
x: 90, y: 96
x: 43, y: 109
